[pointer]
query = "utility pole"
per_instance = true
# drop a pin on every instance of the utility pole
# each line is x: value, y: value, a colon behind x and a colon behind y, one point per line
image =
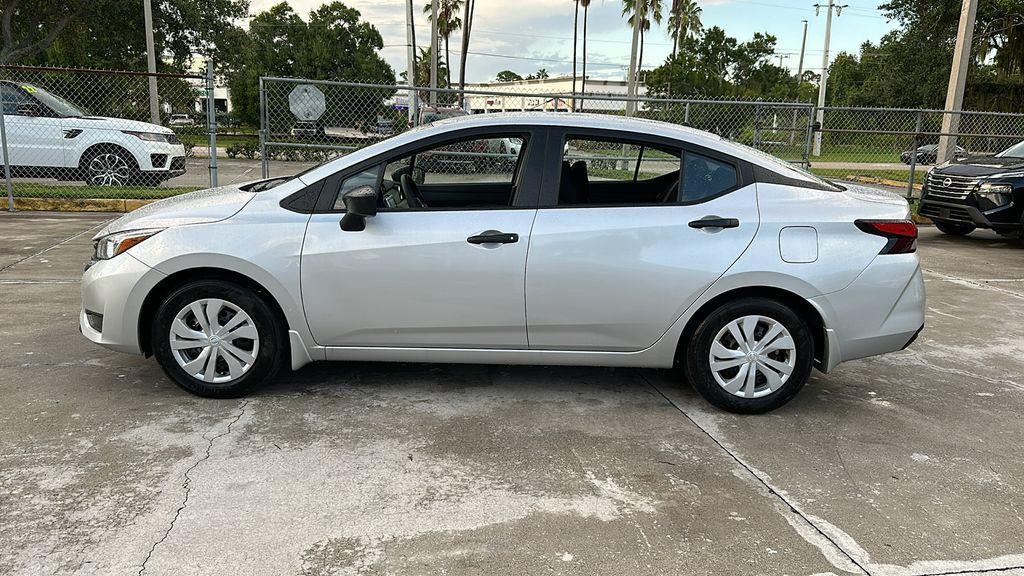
x: 631, y: 80
x: 410, y: 39
x: 154, y: 100
x: 433, y: 52
x: 824, y: 70
x: 957, y: 80
x: 803, y: 47
x: 781, y: 58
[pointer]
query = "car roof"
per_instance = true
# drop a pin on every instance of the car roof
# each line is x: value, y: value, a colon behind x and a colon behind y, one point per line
x: 641, y: 126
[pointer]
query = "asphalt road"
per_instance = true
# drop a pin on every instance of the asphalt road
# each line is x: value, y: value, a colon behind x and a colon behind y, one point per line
x: 906, y: 464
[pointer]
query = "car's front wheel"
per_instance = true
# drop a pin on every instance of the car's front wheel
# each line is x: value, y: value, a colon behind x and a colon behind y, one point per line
x: 954, y: 229
x: 109, y: 165
x: 750, y: 355
x: 217, y: 339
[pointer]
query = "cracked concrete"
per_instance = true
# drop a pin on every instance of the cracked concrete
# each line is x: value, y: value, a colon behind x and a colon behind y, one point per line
x: 902, y: 465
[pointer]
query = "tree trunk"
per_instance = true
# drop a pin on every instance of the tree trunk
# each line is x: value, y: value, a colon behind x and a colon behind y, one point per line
x: 575, y: 28
x: 583, y: 89
x: 447, y: 63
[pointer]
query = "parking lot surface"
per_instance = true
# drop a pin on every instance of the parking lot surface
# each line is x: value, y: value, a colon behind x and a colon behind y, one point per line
x: 906, y: 464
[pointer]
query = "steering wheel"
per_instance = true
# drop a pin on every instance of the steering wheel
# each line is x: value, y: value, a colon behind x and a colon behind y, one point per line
x: 411, y: 192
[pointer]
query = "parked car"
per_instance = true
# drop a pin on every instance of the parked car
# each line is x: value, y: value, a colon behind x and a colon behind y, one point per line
x: 738, y: 268
x: 978, y: 192
x: 181, y: 120
x: 929, y: 153
x: 47, y: 136
x: 304, y: 129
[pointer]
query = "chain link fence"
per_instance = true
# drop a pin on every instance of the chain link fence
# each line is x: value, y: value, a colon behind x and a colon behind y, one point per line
x: 94, y: 138
x: 88, y: 135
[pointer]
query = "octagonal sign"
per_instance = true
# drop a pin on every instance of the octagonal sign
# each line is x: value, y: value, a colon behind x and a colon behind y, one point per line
x: 307, y: 102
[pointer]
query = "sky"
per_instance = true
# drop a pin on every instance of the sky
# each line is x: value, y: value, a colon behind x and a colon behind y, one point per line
x: 525, y: 35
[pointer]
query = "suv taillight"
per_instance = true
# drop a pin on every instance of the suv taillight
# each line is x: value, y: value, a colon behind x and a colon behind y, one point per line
x: 901, y: 234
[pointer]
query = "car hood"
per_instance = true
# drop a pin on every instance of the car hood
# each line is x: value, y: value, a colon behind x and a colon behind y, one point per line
x: 982, y: 166
x: 108, y: 123
x: 869, y: 194
x: 200, y: 207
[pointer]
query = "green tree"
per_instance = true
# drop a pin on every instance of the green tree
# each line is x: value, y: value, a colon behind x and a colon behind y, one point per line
x: 507, y: 76
x: 651, y: 11
x: 683, y: 20
x: 333, y: 45
x: 448, y: 21
x: 540, y: 74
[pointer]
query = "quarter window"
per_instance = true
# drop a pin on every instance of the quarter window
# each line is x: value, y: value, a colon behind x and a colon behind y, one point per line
x: 704, y: 177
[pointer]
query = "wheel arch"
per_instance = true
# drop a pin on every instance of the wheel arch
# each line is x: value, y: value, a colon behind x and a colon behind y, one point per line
x: 804, y: 308
x: 163, y: 288
x: 101, y: 145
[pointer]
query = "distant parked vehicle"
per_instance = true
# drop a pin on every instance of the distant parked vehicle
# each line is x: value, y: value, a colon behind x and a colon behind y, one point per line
x: 979, y: 192
x: 929, y: 153
x: 430, y: 114
x: 181, y: 120
x: 306, y: 130
x: 49, y: 137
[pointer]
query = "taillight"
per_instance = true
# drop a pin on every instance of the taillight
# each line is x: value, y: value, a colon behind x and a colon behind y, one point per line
x: 901, y: 234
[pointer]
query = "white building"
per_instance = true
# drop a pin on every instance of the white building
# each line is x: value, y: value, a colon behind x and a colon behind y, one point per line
x: 540, y: 94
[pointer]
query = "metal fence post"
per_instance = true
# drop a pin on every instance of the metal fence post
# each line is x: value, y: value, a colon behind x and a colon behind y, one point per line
x: 7, y: 165
x: 809, y: 136
x: 757, y: 125
x: 686, y: 114
x: 211, y: 121
x: 913, y: 154
x: 264, y: 161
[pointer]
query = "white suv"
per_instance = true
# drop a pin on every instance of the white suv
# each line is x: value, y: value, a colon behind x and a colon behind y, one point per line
x: 47, y: 136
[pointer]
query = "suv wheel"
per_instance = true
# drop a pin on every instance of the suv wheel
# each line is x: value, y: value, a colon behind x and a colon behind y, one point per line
x: 109, y: 166
x: 217, y: 339
x: 954, y: 229
x: 750, y: 356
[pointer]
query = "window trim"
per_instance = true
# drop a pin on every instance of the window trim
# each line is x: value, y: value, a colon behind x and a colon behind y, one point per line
x: 528, y: 168
x: 556, y: 147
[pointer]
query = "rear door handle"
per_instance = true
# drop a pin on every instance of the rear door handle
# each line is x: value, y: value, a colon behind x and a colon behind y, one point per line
x: 494, y: 237
x: 715, y: 222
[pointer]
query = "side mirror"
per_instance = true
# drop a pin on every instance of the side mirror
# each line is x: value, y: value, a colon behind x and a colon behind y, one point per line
x: 29, y: 109
x: 360, y: 204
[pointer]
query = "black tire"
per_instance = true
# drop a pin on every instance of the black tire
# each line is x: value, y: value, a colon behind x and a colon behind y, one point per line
x: 696, y: 364
x: 271, y: 334
x: 954, y: 229
x: 121, y: 161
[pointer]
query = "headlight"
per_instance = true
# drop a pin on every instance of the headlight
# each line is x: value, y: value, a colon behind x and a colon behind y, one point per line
x: 113, y: 244
x: 994, y: 195
x: 148, y: 136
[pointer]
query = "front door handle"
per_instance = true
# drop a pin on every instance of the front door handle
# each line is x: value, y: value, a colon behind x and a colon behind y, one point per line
x: 494, y: 237
x: 715, y: 222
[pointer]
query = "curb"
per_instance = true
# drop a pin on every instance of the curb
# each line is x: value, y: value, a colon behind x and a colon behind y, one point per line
x: 76, y: 205
x: 883, y: 181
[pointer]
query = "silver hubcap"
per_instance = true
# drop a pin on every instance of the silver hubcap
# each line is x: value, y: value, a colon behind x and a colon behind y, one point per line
x: 752, y: 356
x: 108, y: 170
x: 214, y: 340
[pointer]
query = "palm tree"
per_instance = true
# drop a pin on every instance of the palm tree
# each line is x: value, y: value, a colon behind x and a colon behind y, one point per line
x: 575, y: 28
x: 583, y: 89
x: 683, y: 19
x: 448, y: 21
x: 651, y: 10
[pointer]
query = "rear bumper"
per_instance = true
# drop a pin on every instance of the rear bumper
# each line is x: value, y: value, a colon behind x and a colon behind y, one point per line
x: 881, y: 311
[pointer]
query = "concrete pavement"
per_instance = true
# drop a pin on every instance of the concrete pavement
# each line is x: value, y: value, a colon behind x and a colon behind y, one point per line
x: 907, y: 464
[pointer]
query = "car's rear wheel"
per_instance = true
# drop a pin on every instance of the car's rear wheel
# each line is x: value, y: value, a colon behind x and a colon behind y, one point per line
x: 954, y: 229
x: 750, y: 355
x: 109, y: 165
x: 217, y: 339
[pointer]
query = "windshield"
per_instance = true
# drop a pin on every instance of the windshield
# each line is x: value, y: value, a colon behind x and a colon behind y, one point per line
x: 59, y: 105
x: 1015, y: 151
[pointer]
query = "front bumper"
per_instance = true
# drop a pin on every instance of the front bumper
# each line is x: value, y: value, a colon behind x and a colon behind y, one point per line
x: 112, y: 295
x: 945, y: 211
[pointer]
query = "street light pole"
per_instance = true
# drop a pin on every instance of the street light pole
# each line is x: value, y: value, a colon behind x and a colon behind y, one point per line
x: 957, y: 80
x: 631, y: 80
x: 410, y: 36
x: 154, y: 100
x: 824, y: 71
x: 803, y: 47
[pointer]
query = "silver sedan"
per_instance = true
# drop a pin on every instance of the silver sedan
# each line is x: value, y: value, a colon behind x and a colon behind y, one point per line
x: 603, y: 241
